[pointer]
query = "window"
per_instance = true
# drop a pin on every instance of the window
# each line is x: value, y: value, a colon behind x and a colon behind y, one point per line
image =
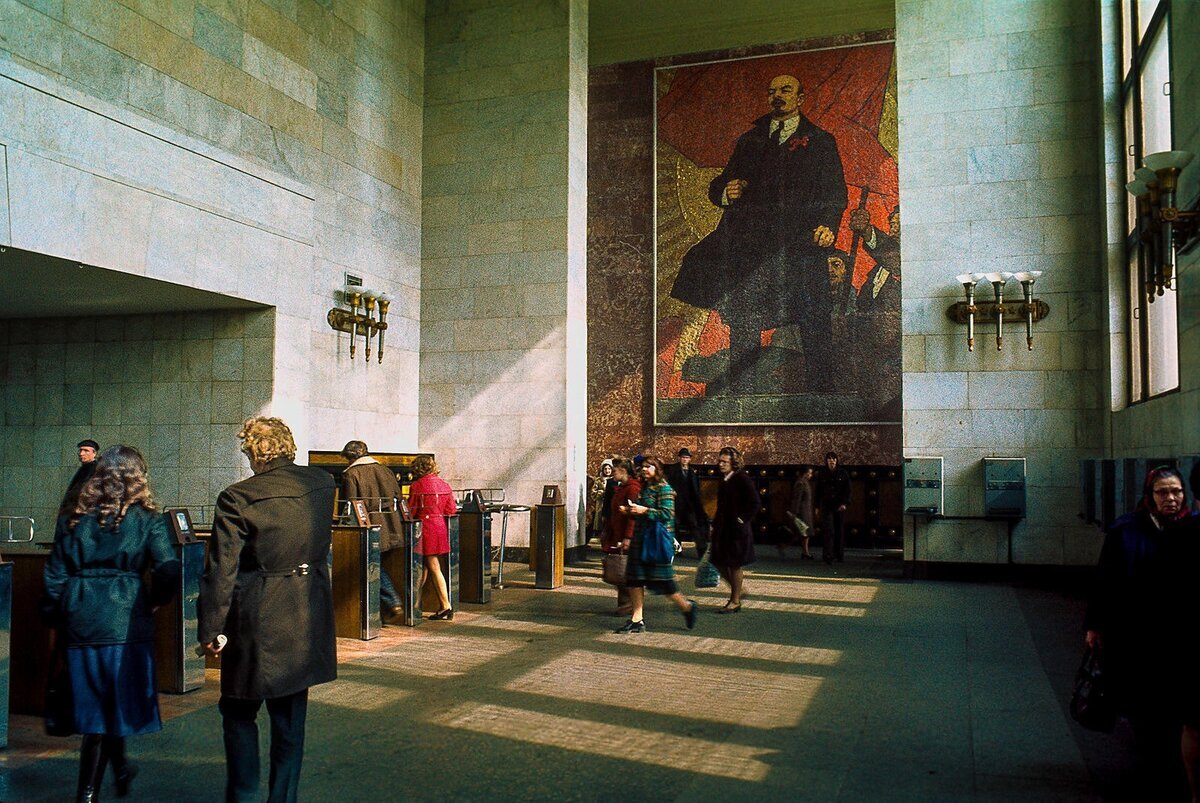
x: 1146, y: 110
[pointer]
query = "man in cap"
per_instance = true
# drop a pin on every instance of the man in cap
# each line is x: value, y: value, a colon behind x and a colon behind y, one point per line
x: 87, y: 467
x: 690, y: 518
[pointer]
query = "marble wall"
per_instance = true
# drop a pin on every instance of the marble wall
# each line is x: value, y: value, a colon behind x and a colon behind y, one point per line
x: 502, y: 310
x: 1000, y: 153
x: 175, y: 386
x: 621, y: 291
x: 256, y: 149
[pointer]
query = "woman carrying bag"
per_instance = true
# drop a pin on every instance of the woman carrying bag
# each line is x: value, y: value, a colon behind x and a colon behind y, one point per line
x: 103, y: 611
x: 652, y: 549
x: 618, y: 532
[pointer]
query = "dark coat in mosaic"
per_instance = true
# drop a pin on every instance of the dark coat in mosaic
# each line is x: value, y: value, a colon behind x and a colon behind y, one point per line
x: 267, y: 585
x: 761, y: 264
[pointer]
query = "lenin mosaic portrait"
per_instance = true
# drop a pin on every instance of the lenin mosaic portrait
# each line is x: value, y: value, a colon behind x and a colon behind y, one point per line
x: 777, y: 240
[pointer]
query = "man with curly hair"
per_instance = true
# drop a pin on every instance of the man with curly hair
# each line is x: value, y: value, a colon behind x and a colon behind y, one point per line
x: 267, y: 592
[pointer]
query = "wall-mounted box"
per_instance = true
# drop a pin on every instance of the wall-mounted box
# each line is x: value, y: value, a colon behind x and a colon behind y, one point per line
x: 923, y: 491
x: 1004, y: 487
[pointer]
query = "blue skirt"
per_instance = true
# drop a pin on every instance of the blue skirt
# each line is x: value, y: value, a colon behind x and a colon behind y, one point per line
x: 115, y: 688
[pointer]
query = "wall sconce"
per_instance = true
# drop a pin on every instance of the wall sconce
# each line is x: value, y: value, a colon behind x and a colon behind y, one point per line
x: 1160, y: 223
x: 363, y: 323
x: 1030, y: 310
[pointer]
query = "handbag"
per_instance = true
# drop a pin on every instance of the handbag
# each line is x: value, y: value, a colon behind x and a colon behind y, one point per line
x: 612, y: 567
x: 658, y: 545
x: 1091, y: 704
x: 59, y: 716
x: 707, y: 575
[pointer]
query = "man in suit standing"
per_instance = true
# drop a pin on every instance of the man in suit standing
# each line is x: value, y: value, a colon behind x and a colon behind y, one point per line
x: 267, y: 590
x: 368, y: 479
x: 834, y: 496
x: 783, y: 193
x: 690, y: 518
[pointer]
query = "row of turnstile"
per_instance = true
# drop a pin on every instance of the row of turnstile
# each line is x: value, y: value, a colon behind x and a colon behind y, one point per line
x: 355, y: 564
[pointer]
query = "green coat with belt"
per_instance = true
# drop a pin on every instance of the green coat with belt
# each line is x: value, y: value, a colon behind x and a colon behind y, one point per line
x: 95, y: 594
x: 267, y: 585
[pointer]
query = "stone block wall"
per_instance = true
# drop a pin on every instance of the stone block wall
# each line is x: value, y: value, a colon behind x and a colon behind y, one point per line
x: 175, y: 386
x: 502, y: 312
x: 1000, y: 153
x: 256, y: 149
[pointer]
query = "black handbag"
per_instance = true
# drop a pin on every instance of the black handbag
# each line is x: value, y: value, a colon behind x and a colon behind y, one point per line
x: 613, y: 568
x: 1091, y: 703
x: 59, y: 716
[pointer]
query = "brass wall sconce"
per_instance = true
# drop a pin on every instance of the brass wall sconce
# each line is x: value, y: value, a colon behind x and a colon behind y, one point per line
x: 1030, y: 309
x: 1161, y: 225
x: 355, y: 322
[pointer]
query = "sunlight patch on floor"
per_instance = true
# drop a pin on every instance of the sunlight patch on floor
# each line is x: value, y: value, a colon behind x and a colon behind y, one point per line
x: 748, y: 697
x: 355, y: 695
x: 810, y: 589
x: 518, y: 625
x: 803, y: 607
x: 731, y: 648
x: 441, y: 656
x: 685, y: 753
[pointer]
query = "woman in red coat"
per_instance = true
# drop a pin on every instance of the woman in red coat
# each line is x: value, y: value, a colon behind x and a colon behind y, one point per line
x: 618, y: 526
x: 430, y: 499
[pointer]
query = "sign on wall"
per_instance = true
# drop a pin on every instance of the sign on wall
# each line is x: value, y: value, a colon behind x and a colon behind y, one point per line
x: 777, y: 240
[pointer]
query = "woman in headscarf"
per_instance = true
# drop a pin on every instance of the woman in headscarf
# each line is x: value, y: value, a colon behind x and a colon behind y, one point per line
x: 1133, y: 620
x: 597, y: 511
x: 100, y: 606
x: 652, y: 550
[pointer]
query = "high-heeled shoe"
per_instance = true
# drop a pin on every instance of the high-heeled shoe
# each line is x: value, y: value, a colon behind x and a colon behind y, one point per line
x: 446, y: 615
x: 124, y: 777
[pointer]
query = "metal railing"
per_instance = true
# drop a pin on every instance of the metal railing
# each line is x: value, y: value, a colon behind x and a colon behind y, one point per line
x: 11, y: 526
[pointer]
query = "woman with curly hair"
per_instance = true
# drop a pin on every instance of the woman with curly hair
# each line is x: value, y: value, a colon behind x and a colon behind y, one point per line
x: 102, y: 610
x: 431, y: 500
x: 652, y: 550
x: 732, y: 531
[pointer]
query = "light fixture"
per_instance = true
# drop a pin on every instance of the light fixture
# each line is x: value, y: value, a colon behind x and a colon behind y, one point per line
x: 1160, y: 223
x: 356, y: 322
x: 1031, y: 310
x: 1027, y: 278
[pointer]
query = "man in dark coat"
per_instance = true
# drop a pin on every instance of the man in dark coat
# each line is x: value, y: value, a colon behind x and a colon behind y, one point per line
x: 690, y: 518
x: 267, y: 590
x: 87, y: 467
x: 368, y: 479
x: 880, y: 292
x: 833, y: 498
x: 783, y: 193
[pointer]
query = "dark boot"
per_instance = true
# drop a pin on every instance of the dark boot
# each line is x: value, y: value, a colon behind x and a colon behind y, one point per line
x: 123, y: 771
x: 91, y: 769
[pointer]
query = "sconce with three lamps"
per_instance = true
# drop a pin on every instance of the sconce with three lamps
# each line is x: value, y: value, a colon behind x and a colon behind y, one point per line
x: 1030, y: 309
x: 1160, y: 223
x: 364, y: 323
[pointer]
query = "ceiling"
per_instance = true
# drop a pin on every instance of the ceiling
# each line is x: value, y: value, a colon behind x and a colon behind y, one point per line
x: 631, y: 30
x: 39, y: 286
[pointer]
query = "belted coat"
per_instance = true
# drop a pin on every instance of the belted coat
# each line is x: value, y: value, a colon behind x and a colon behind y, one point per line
x: 267, y: 585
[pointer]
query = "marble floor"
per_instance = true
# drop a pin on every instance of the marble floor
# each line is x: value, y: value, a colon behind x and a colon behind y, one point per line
x: 847, y: 685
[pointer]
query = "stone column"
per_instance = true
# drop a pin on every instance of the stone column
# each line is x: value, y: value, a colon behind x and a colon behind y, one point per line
x: 503, y: 313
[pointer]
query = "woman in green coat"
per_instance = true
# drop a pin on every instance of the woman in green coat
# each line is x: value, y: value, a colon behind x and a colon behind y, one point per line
x: 102, y: 610
x: 653, y: 548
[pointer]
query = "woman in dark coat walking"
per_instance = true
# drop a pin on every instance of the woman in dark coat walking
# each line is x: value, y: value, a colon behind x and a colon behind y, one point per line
x: 103, y: 612
x: 652, y: 550
x: 732, y: 531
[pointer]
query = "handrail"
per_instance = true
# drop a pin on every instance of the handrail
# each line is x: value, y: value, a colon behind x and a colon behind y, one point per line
x: 6, y: 529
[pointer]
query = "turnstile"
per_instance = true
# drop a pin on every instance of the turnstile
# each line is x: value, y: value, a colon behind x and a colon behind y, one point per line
x: 354, y: 572
x: 6, y: 570
x: 475, y: 550
x: 177, y: 627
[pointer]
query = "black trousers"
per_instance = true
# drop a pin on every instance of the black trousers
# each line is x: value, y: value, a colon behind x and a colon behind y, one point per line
x: 834, y: 531
x: 239, y: 721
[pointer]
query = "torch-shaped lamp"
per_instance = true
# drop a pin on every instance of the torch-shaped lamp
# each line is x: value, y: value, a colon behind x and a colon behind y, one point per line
x: 1027, y: 278
x: 968, y: 281
x: 998, y: 279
